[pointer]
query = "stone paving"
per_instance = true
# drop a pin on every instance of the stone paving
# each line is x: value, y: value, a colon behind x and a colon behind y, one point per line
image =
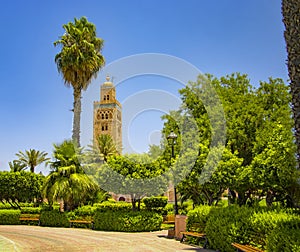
x: 33, y: 239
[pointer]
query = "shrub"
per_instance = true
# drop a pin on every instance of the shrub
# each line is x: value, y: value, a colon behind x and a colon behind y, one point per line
x: 30, y: 210
x: 227, y: 225
x: 263, y: 222
x: 169, y: 208
x: 285, y: 237
x: 156, y: 204
x: 5, y: 206
x: 9, y: 217
x: 113, y: 206
x: 199, y: 215
x: 54, y: 218
x: 85, y: 211
x: 143, y: 221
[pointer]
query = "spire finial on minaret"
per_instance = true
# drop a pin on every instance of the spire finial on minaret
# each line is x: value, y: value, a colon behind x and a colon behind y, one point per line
x: 107, y: 78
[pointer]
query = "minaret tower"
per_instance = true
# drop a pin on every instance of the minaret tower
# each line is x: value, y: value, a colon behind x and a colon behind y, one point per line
x: 108, y: 114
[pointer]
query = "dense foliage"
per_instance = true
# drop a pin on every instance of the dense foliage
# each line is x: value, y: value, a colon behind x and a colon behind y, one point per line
x: 259, y: 156
x: 16, y: 187
x: 54, y: 218
x: 137, y: 175
x: 142, y: 221
x: 260, y: 227
x: 9, y: 217
x: 285, y: 237
x: 155, y: 203
x: 67, y: 179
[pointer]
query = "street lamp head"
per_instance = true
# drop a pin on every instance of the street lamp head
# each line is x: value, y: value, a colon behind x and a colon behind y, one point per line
x: 172, y: 136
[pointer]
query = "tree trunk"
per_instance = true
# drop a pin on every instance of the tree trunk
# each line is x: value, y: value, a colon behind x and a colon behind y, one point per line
x: 291, y: 19
x: 269, y: 198
x: 76, y: 117
x: 133, y: 202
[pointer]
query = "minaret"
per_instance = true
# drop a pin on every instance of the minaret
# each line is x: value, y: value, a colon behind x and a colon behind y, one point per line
x: 108, y: 114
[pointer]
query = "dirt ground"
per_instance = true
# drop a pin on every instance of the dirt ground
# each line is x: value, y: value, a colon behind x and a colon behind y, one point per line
x: 33, y: 238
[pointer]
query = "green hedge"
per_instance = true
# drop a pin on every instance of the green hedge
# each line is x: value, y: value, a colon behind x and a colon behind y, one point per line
x: 227, y: 225
x: 285, y: 237
x: 9, y: 217
x: 85, y: 211
x: 155, y: 202
x: 31, y: 210
x: 54, y: 219
x: 260, y: 227
x: 143, y: 221
x: 113, y: 206
x: 198, y: 215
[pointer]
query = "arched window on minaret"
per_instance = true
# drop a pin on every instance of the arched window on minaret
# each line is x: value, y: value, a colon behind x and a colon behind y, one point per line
x: 102, y: 128
x: 106, y: 116
x: 108, y: 97
x: 106, y: 127
x: 104, y: 98
x: 102, y: 116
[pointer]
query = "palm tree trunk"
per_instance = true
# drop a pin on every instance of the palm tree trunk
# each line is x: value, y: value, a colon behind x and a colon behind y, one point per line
x: 291, y: 20
x: 76, y: 117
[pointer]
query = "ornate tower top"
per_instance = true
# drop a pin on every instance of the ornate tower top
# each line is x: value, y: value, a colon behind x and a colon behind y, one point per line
x: 107, y: 83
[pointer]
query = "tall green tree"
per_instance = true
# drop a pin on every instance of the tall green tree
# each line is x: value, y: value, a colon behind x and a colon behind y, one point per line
x: 136, y: 174
x: 291, y: 20
x: 67, y: 179
x: 257, y: 120
x: 79, y: 61
x: 16, y: 187
x: 32, y: 158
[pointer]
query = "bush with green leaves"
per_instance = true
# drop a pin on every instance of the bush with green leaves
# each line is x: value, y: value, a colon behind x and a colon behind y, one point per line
x: 127, y: 221
x: 285, y: 237
x: 16, y: 187
x: 31, y: 210
x: 245, y: 225
x: 54, y: 218
x: 84, y: 212
x: 227, y: 225
x: 113, y: 206
x: 5, y: 205
x: 156, y: 204
x: 9, y: 217
x: 199, y: 215
x: 264, y: 221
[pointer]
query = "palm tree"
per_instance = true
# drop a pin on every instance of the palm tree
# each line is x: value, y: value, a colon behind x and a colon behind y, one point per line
x: 67, y: 179
x: 16, y: 166
x: 79, y: 61
x: 32, y: 158
x: 291, y: 20
x: 105, y: 145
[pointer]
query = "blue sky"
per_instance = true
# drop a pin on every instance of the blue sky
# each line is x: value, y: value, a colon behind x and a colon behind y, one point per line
x: 218, y: 37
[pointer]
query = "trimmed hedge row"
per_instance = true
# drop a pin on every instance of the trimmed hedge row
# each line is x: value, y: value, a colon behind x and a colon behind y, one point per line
x: 285, y: 237
x: 143, y: 221
x: 264, y: 228
x: 54, y: 219
x: 9, y: 217
x: 113, y: 206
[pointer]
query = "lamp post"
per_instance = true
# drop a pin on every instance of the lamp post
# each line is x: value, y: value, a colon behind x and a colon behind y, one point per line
x: 172, y: 136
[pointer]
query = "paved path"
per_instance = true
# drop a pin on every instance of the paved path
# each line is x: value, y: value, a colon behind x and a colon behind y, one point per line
x: 33, y: 238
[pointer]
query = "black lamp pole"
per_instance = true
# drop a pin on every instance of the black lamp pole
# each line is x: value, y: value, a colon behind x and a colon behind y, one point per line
x: 173, y: 138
